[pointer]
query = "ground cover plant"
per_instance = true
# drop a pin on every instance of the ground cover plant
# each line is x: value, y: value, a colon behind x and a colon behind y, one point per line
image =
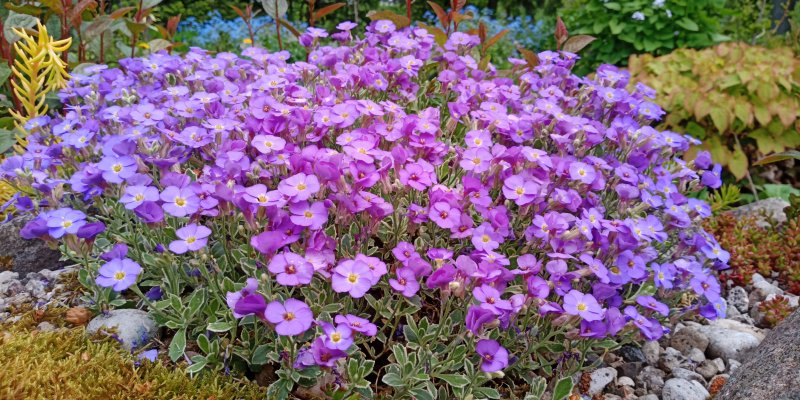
x: 387, y: 218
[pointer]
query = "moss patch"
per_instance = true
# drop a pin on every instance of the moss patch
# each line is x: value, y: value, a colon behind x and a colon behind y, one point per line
x: 66, y: 364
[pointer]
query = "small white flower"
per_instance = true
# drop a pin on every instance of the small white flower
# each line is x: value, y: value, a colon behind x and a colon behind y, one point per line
x: 639, y: 16
x: 658, y: 3
x: 669, y: 14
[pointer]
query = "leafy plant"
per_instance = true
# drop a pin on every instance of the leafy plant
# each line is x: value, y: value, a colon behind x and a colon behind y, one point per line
x: 742, y: 101
x: 643, y: 26
x: 775, y: 310
x: 759, y: 249
x: 388, y: 218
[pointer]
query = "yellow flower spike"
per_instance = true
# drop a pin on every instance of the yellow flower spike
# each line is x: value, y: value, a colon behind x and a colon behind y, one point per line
x: 38, y: 69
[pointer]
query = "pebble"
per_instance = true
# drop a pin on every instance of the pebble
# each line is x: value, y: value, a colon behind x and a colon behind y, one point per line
x: 625, y: 381
x: 651, y: 350
x: 687, y: 339
x: 707, y: 369
x: 737, y: 298
x: 46, y: 327
x: 652, y: 379
x: 689, y: 375
x: 133, y: 327
x: 728, y: 340
x: 600, y: 379
x: 681, y: 389
x: 733, y: 365
x: 670, y: 359
x: 696, y: 356
x: 631, y: 353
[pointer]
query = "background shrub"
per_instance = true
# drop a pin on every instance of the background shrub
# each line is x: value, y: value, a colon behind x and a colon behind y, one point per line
x: 741, y: 100
x: 630, y: 27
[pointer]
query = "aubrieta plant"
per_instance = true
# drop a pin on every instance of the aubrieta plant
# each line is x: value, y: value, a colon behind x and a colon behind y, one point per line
x: 385, y: 219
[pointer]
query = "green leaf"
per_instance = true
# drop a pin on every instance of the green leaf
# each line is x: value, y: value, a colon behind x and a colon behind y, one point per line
x: 203, y: 344
x: 422, y: 393
x: 687, y: 24
x: 613, y: 5
x: 259, y: 356
x: 275, y: 8
x: 150, y: 3
x: 783, y: 191
x: 738, y: 163
x: 454, y: 380
x: 616, y: 26
x: 392, y: 379
x: 486, y: 393
x: 178, y: 345
x: 219, y: 326
x: 5, y: 72
x: 6, y: 139
x: 787, y: 155
x: 15, y: 20
x: 197, y: 366
x: 563, y: 388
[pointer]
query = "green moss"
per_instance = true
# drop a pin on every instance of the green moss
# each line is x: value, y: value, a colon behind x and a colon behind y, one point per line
x: 66, y: 364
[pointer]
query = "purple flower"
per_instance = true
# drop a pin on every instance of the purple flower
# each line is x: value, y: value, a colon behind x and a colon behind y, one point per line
x: 520, y: 190
x: 406, y: 282
x: 338, y: 337
x: 91, y: 230
x: 584, y: 305
x: 299, y: 187
x: 314, y: 216
x: 117, y: 169
x: 357, y: 324
x: 445, y: 216
x: 150, y: 212
x: 353, y: 277
x: 706, y: 285
x: 653, y: 304
x: 291, y: 318
x: 582, y: 172
x: 249, y: 304
x: 135, y: 195
x: 118, y: 274
x: 485, y: 238
x: 192, y: 237
x: 180, y: 202
x: 494, y: 357
x: 64, y: 221
x: 324, y: 356
x: 291, y: 269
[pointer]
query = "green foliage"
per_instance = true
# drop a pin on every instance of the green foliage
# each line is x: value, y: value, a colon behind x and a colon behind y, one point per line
x: 630, y: 27
x: 65, y: 364
x: 723, y: 198
x: 734, y: 97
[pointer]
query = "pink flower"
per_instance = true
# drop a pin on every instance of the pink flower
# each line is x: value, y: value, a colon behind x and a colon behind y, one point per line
x: 291, y: 318
x: 299, y: 187
x: 353, y: 277
x: 406, y: 282
x: 582, y: 172
x: 314, y: 216
x: 291, y: 269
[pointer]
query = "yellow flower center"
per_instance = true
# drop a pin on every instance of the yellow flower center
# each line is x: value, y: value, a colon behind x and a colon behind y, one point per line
x: 581, y: 307
x: 191, y: 239
x: 119, y: 276
x: 180, y: 201
x: 352, y: 278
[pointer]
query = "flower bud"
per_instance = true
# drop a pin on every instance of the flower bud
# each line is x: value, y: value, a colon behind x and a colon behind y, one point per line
x: 454, y: 285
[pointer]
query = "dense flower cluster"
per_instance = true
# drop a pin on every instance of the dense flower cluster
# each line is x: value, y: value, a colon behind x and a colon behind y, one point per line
x: 385, y: 168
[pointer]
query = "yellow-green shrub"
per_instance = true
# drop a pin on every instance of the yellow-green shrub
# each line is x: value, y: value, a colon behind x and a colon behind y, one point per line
x: 732, y: 96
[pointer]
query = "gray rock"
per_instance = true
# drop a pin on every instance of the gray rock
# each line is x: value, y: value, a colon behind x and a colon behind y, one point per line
x: 133, y: 327
x: 651, y: 351
x: 737, y: 298
x: 687, y: 339
x: 625, y: 381
x: 733, y: 365
x: 681, y: 389
x: 46, y: 327
x: 729, y: 339
x: 630, y: 369
x: 600, y: 379
x: 763, y: 211
x: 631, y: 353
x: 649, y: 397
x: 36, y: 288
x: 762, y: 289
x: 689, y: 375
x: 707, y: 369
x: 696, y: 356
x: 670, y: 359
x: 652, y: 379
x: 26, y: 255
x: 6, y: 276
x: 772, y: 370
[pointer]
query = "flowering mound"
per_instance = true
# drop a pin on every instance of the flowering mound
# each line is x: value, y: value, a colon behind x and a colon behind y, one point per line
x: 388, y: 211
